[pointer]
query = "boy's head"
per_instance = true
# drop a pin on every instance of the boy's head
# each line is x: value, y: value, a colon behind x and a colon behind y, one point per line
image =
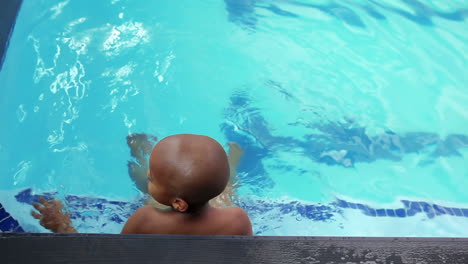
x: 186, y: 171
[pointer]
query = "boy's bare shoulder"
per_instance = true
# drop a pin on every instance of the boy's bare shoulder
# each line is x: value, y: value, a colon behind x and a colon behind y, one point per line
x: 225, y: 221
x: 138, y: 222
x: 239, y: 220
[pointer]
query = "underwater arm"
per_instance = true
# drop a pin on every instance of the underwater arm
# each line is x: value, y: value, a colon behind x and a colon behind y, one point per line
x: 140, y: 145
x: 234, y: 154
x: 228, y: 196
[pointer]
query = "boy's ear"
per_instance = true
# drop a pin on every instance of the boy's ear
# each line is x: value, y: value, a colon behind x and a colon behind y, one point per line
x: 180, y: 205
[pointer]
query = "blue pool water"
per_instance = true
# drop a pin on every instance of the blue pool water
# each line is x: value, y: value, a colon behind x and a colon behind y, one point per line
x: 352, y: 114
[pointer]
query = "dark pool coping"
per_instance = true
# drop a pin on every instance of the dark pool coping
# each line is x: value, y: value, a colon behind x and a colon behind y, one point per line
x: 8, y: 12
x: 109, y: 248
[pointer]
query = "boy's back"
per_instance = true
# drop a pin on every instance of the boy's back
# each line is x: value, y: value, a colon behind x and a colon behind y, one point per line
x: 209, y: 221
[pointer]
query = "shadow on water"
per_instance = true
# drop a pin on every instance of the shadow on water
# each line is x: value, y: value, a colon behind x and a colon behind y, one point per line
x: 332, y: 143
x: 242, y: 12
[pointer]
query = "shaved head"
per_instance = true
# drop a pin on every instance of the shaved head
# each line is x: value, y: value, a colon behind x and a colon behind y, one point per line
x: 192, y: 167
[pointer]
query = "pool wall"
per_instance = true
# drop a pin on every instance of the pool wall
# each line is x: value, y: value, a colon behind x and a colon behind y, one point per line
x: 8, y: 12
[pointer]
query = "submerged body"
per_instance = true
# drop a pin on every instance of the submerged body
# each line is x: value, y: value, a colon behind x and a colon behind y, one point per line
x: 140, y: 148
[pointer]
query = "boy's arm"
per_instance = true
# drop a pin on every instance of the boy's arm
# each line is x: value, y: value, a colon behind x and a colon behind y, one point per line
x: 229, y: 196
x: 234, y: 155
x: 51, y: 216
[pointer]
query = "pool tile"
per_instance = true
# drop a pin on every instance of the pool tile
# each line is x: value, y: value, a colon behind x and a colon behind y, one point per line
x: 371, y: 212
x: 381, y: 212
x: 314, y: 215
x: 5, y: 218
x: 72, y: 198
x: 410, y: 212
x: 400, y: 212
x: 448, y: 210
x: 464, y: 211
x: 413, y: 208
x: 322, y: 208
x: 309, y: 208
x: 134, y: 207
x: 117, y: 203
x: 427, y: 209
x: 361, y: 207
x: 457, y: 211
x: 342, y: 204
x: 438, y: 209
x: 8, y: 224
x: 416, y: 206
x: 117, y: 219
x: 18, y: 229
x: 301, y: 210
x: 391, y: 212
x: 3, y: 213
x: 24, y: 196
x: 286, y: 208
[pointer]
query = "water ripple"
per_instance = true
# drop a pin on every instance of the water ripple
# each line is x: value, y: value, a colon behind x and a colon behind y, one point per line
x: 127, y: 35
x: 20, y: 175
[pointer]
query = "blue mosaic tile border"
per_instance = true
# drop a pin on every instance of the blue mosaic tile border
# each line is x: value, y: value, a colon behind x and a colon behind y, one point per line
x: 8, y: 223
x: 410, y: 208
x: 316, y: 212
x: 84, y: 208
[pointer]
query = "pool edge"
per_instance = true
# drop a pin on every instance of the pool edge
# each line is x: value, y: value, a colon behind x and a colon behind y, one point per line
x: 118, y: 248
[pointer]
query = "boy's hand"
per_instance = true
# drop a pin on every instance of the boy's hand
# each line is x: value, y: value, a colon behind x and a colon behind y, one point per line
x: 51, y: 216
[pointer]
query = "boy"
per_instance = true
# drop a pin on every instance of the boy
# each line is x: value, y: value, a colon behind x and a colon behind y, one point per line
x: 141, y: 145
x: 186, y: 172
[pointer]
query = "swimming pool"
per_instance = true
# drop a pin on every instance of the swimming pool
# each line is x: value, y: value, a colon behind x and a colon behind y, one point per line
x: 352, y: 114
